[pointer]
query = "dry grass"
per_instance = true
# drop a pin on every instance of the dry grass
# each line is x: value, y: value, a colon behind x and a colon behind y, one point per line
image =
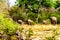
x: 39, y: 30
x: 39, y: 27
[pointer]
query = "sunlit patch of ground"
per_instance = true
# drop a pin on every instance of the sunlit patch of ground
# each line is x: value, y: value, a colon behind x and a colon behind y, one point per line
x: 40, y: 30
x: 38, y: 27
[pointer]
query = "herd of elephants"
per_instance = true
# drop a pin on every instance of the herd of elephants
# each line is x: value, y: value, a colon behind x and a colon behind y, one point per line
x: 29, y: 21
x: 53, y: 21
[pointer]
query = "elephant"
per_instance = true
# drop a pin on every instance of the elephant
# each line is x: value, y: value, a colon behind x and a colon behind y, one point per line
x: 53, y: 20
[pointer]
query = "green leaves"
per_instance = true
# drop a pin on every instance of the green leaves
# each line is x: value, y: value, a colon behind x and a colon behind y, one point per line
x: 45, y: 3
x: 57, y: 4
x: 7, y: 25
x: 29, y: 4
x: 32, y: 16
x: 48, y: 3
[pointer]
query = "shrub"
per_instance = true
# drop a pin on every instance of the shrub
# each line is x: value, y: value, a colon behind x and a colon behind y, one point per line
x: 7, y: 25
x: 17, y: 14
x: 32, y: 16
x: 57, y: 4
x: 44, y: 16
x: 48, y: 3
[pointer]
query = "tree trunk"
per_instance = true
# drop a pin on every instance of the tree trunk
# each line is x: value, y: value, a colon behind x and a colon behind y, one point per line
x: 7, y: 2
x: 38, y: 10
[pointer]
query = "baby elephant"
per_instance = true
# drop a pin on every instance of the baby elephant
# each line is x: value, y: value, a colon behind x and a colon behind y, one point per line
x: 20, y: 21
x: 53, y: 20
x: 44, y: 22
x: 30, y: 22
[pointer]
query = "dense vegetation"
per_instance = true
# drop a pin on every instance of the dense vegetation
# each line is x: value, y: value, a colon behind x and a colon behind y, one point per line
x: 7, y: 25
x: 35, y: 10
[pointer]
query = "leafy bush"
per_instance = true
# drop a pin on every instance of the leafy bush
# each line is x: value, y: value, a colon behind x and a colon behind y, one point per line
x: 31, y: 5
x: 17, y: 13
x: 32, y: 16
x: 48, y: 3
x: 57, y: 4
x: 44, y: 15
x: 7, y: 25
x: 18, y: 16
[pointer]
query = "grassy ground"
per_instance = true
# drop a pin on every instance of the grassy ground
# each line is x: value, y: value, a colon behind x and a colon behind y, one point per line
x: 38, y: 32
x: 42, y: 31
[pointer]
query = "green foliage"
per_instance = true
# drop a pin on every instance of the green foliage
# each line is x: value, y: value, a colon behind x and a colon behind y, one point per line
x: 44, y: 15
x: 31, y: 5
x: 51, y: 3
x: 57, y: 4
x: 48, y: 3
x: 7, y: 25
x: 20, y: 15
x: 32, y: 16
x: 17, y: 14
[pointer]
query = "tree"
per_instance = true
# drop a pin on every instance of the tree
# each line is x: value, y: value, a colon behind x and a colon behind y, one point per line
x: 57, y: 4
x: 7, y: 2
x: 31, y: 5
x: 39, y: 6
x: 48, y: 3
